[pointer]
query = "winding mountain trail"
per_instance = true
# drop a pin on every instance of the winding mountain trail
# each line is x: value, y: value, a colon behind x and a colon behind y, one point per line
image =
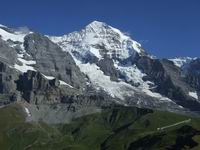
x: 173, y: 125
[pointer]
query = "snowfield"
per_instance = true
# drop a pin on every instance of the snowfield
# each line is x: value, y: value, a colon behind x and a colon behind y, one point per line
x: 61, y: 82
x: 27, y: 112
x: 103, y: 82
x: 16, y: 36
x: 194, y: 95
x: 98, y: 40
x: 93, y: 40
x: 181, y: 61
x: 97, y: 36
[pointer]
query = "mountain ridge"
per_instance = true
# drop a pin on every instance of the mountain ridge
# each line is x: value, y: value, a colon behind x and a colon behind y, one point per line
x: 87, y: 69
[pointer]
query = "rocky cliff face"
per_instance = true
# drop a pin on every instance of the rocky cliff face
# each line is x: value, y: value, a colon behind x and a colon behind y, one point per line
x: 78, y: 73
x: 8, y: 91
x: 192, y: 73
x: 8, y: 55
x: 122, y: 59
x: 52, y: 61
x: 169, y: 81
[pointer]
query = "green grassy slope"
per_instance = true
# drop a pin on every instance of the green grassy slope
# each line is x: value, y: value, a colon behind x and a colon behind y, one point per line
x: 116, y: 128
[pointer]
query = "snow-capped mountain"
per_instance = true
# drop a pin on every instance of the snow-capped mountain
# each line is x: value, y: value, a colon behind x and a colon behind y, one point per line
x: 96, y: 66
x: 122, y: 75
x: 99, y: 39
x: 182, y: 61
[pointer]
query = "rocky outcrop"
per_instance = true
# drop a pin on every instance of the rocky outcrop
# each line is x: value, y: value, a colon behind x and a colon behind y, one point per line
x: 168, y: 80
x: 36, y: 89
x: 8, y: 91
x: 192, y: 74
x: 57, y: 83
x: 52, y: 61
x: 107, y: 66
x: 8, y: 54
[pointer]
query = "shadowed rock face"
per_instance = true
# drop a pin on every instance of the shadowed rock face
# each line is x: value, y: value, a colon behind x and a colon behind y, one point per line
x: 194, y: 66
x: 107, y: 66
x: 43, y: 95
x: 193, y: 74
x: 193, y: 80
x: 8, y: 91
x: 8, y: 54
x: 169, y: 81
x: 152, y: 67
x: 7, y: 77
x: 78, y: 91
x: 54, y: 103
x: 36, y: 89
x: 52, y: 61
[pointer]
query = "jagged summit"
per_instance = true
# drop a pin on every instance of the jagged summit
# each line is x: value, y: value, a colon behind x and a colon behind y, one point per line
x: 98, y: 27
x: 99, y: 39
x: 15, y: 35
x: 182, y: 61
x: 2, y: 26
x: 97, y: 24
x: 98, y: 59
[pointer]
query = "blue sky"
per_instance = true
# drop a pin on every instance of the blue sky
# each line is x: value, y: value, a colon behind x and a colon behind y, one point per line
x: 166, y: 28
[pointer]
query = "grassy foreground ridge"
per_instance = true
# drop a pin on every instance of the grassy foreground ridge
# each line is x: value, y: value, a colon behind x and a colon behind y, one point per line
x: 115, y: 128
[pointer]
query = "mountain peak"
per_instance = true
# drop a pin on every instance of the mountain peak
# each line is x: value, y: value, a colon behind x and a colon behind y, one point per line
x: 97, y: 24
x: 2, y: 26
x: 181, y: 61
x: 97, y: 27
x: 99, y: 39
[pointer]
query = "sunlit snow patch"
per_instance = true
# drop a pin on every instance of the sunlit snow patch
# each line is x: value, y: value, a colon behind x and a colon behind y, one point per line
x: 66, y: 84
x: 134, y: 75
x: 27, y: 112
x: 100, y: 81
x: 96, y: 38
x: 2, y: 26
x: 48, y: 77
x: 194, y: 95
x: 15, y: 36
x: 26, y: 65
x: 180, y: 62
x: 60, y: 81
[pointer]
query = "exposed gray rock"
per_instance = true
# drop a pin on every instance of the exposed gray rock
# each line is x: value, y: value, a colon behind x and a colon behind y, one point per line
x: 52, y: 61
x: 107, y: 66
x: 36, y: 89
x: 57, y: 113
x: 52, y: 102
x: 7, y: 54
x: 192, y: 74
x: 169, y: 81
x: 8, y: 91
